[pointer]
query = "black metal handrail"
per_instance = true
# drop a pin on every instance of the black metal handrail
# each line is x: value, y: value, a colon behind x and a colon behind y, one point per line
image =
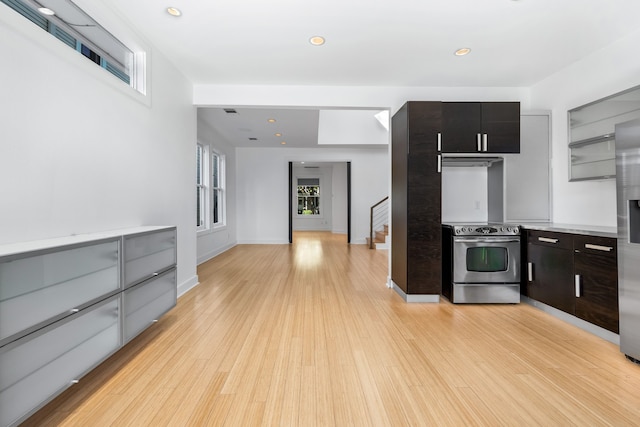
x: 380, y: 216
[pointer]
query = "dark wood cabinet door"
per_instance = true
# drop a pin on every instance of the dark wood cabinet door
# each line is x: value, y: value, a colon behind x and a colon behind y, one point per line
x: 461, y: 126
x: 595, y: 262
x: 416, y: 265
x: 481, y: 127
x: 501, y: 125
x: 552, y: 273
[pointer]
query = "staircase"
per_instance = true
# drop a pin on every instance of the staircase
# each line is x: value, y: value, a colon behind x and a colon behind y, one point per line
x: 379, y: 225
x: 380, y: 238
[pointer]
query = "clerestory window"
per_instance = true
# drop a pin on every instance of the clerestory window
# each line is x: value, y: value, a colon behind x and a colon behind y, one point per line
x: 72, y: 26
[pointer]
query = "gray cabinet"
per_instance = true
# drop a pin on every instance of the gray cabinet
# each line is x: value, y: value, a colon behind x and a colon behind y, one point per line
x: 43, y: 364
x: 39, y: 287
x: 67, y: 304
x: 148, y: 254
x: 146, y: 302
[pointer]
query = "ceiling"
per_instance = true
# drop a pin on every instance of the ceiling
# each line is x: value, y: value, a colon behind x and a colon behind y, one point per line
x: 514, y: 43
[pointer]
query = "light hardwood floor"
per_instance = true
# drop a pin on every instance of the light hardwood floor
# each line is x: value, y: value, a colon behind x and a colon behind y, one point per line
x: 308, y: 334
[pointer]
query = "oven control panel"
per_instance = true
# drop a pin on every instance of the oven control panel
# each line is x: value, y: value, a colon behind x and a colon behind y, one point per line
x: 484, y: 230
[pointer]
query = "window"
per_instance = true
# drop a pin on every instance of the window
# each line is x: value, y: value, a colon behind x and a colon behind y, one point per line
x: 210, y: 190
x: 217, y: 186
x: 308, y: 196
x: 72, y: 26
x: 201, y: 187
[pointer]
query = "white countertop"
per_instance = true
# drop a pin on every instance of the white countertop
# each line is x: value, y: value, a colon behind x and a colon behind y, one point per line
x: 34, y: 245
x: 592, y: 230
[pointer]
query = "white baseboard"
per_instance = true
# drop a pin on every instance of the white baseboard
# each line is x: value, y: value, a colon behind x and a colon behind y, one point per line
x: 263, y: 242
x: 416, y: 298
x: 187, y: 285
x: 212, y: 254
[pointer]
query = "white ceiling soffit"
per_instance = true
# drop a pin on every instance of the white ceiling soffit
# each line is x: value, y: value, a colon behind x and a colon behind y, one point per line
x: 351, y: 127
x: 392, y: 43
x: 251, y: 127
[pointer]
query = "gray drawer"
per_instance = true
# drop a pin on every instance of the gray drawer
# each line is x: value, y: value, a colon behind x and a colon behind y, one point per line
x: 148, y: 254
x: 47, y: 286
x: 37, y: 367
x: 145, y: 303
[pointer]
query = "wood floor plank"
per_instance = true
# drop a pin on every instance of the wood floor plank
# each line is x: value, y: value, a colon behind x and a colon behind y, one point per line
x: 308, y: 334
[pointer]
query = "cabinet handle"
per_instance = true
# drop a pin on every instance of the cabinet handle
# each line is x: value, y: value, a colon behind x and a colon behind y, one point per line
x: 485, y: 142
x: 577, y: 283
x: 598, y: 247
x: 74, y: 381
x: 547, y: 240
x: 74, y: 310
x: 530, y: 271
x: 439, y: 163
x: 439, y: 141
x: 479, y: 141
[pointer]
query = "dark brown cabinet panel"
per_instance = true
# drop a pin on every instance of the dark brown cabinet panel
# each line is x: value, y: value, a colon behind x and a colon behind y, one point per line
x: 416, y: 198
x: 481, y: 127
x: 501, y: 124
x: 461, y: 125
x: 575, y: 273
x: 596, y: 281
x: 550, y: 270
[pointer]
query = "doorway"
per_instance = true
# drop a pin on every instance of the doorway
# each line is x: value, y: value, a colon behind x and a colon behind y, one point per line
x: 318, y: 193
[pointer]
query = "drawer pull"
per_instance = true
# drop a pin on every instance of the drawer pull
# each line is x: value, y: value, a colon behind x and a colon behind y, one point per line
x: 75, y: 381
x: 577, y: 283
x: 156, y: 274
x: 598, y: 247
x: 547, y: 240
x: 74, y: 310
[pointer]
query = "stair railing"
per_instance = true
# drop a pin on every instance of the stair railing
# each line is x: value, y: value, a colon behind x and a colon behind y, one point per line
x: 379, y: 216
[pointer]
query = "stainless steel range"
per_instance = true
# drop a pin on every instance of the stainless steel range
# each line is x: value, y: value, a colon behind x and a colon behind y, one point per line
x: 481, y: 263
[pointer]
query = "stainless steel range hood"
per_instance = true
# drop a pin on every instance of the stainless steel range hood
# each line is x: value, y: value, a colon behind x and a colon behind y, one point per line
x: 477, y: 161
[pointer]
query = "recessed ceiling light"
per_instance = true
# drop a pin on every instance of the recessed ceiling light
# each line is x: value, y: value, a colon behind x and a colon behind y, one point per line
x: 317, y: 40
x: 278, y: 134
x: 462, y: 51
x: 271, y: 120
x: 174, y: 11
x: 46, y: 11
x: 283, y: 143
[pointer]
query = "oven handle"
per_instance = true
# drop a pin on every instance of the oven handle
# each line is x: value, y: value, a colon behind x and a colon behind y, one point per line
x: 495, y: 239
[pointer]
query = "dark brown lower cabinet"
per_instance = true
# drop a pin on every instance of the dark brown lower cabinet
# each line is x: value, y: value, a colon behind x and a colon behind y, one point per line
x: 596, y: 281
x: 550, y: 269
x: 577, y: 274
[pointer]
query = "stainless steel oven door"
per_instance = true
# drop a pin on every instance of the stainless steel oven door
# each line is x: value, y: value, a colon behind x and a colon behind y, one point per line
x: 485, y: 259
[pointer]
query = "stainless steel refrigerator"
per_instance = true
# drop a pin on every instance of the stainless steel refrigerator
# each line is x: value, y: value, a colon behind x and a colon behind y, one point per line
x: 627, y: 139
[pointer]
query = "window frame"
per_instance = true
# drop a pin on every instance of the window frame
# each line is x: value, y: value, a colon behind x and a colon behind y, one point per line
x: 202, y: 187
x: 218, y: 190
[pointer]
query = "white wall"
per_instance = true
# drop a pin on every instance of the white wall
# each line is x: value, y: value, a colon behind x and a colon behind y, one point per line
x: 214, y: 241
x: 339, y: 205
x: 603, y: 73
x: 464, y: 194
x: 80, y: 154
x: 262, y: 188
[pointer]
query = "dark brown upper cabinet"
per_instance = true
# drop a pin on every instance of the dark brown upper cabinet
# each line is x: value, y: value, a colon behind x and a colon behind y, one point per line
x: 481, y: 127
